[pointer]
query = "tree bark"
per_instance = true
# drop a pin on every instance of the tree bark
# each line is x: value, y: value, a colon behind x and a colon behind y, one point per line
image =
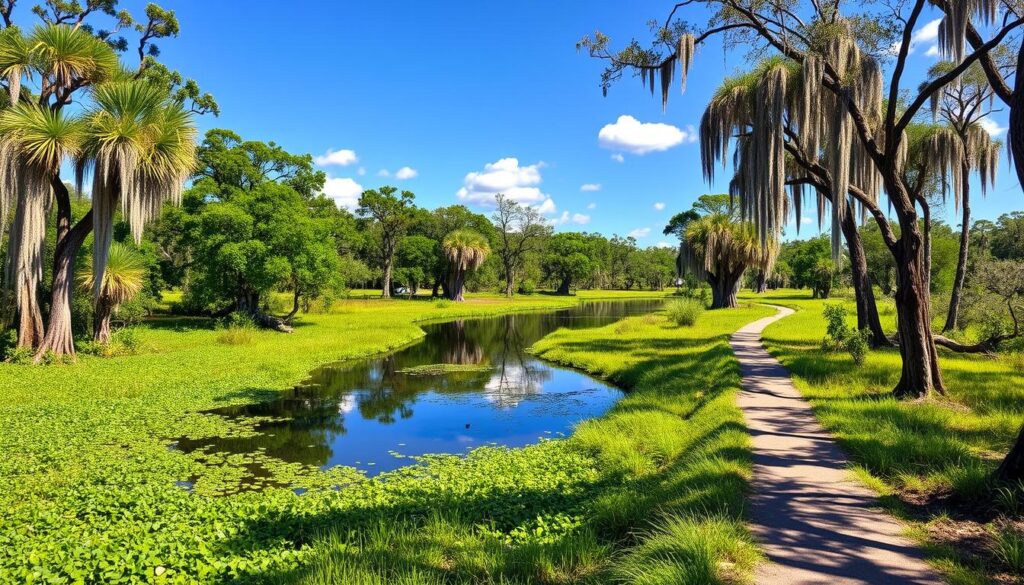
x: 563, y: 287
x: 920, y: 374
x: 762, y: 282
x: 510, y: 278
x: 724, y: 288
x: 386, y: 286
x: 1016, y: 130
x: 30, y: 317
x: 295, y: 306
x: 458, y: 282
x: 59, y: 338
x: 953, y: 314
x: 1012, y: 467
x: 867, y: 309
x: 101, y: 320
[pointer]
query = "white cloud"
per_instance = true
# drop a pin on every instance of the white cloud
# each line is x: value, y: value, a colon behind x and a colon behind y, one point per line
x: 546, y: 206
x: 933, y: 51
x: 665, y: 245
x: 640, y: 233
x: 630, y: 135
x: 592, y: 206
x: 804, y: 220
x: 926, y: 34
x: 580, y: 219
x: 992, y: 127
x: 618, y: 158
x: 341, y: 158
x: 564, y: 218
x: 383, y: 173
x: 344, y: 191
x: 590, y: 187
x: 361, y: 171
x: 518, y: 183
x: 659, y: 206
x: 405, y: 173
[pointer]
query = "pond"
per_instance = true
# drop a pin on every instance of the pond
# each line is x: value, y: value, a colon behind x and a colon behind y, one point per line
x: 372, y: 414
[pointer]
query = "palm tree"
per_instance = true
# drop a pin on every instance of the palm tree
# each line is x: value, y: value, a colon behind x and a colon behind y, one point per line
x: 465, y: 250
x: 719, y: 249
x: 123, y: 279
x: 34, y: 141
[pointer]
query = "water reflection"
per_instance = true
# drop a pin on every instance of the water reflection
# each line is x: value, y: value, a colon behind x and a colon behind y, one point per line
x: 356, y: 413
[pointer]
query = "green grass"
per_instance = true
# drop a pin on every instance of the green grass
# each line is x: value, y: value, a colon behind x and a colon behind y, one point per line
x: 87, y: 478
x: 444, y: 369
x: 657, y: 497
x: 944, y: 446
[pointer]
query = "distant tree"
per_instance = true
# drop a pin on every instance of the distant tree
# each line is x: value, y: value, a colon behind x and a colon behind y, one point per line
x: 720, y: 249
x: 1008, y: 236
x: 466, y: 251
x: 416, y: 261
x: 567, y: 260
x: 391, y: 216
x: 521, y: 230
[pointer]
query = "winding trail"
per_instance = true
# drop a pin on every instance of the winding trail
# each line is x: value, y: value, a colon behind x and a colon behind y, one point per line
x: 813, y: 520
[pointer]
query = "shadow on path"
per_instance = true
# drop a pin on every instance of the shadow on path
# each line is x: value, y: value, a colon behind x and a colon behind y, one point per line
x: 814, y: 521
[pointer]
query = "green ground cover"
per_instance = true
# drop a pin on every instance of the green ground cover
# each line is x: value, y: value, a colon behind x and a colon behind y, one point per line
x: 930, y: 459
x: 87, y: 478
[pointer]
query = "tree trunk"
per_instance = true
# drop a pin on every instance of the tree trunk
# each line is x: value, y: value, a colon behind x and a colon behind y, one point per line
x: 458, y: 281
x: 723, y: 290
x: 386, y: 286
x: 762, y: 282
x: 920, y: 375
x: 926, y: 219
x: 953, y: 314
x: 101, y: 320
x: 30, y: 317
x: 1016, y: 130
x: 295, y: 306
x: 867, y: 309
x: 1012, y: 467
x: 59, y: 338
x: 510, y: 279
x: 563, y: 288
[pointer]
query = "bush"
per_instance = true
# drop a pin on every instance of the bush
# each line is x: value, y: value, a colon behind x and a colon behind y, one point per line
x: 238, y: 329
x: 442, y: 303
x: 122, y: 342
x: 527, y: 287
x: 684, y: 312
x: 838, y: 335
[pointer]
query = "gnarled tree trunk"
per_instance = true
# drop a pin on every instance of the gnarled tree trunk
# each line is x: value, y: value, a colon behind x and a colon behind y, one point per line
x: 761, y: 286
x: 101, y: 321
x: 724, y: 288
x: 1012, y: 467
x: 920, y: 375
x: 563, y: 287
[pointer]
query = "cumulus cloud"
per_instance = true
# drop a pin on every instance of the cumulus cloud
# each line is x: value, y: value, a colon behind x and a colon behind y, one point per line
x: 618, y: 158
x: 933, y: 51
x: 519, y: 183
x: 592, y: 206
x: 992, y: 127
x: 580, y: 219
x: 383, y: 173
x: 344, y: 191
x: 633, y: 136
x: 340, y: 158
x: 640, y: 233
x: 659, y: 206
x: 590, y: 187
x: 665, y: 245
x: 405, y: 173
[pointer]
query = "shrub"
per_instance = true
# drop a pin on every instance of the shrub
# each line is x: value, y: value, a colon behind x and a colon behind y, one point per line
x: 838, y: 335
x: 527, y: 287
x: 442, y: 303
x: 684, y: 312
x: 123, y: 342
x: 238, y: 329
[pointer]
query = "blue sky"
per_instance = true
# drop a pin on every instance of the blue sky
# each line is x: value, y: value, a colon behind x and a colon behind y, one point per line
x: 448, y: 89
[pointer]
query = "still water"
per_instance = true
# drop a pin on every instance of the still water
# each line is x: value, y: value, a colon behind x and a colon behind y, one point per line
x: 361, y: 413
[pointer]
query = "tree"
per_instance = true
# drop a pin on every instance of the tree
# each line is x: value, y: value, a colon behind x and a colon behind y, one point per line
x: 968, y: 148
x: 71, y: 58
x: 417, y: 260
x: 123, y: 278
x: 391, y: 215
x: 567, y: 259
x: 466, y: 251
x: 719, y: 249
x: 521, y: 230
x: 842, y: 117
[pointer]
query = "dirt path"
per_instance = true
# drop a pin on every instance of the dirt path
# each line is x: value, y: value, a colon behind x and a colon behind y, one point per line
x: 814, y: 521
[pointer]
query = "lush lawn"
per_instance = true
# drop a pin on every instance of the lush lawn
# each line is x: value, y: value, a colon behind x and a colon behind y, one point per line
x: 932, y: 457
x: 87, y: 479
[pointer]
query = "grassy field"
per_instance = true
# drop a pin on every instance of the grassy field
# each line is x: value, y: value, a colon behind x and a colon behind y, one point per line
x: 931, y: 459
x: 87, y: 481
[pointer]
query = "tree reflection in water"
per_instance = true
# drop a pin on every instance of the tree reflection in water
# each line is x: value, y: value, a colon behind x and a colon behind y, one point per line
x: 356, y: 412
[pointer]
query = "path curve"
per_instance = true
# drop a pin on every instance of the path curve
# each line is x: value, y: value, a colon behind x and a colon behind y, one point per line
x: 813, y: 520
